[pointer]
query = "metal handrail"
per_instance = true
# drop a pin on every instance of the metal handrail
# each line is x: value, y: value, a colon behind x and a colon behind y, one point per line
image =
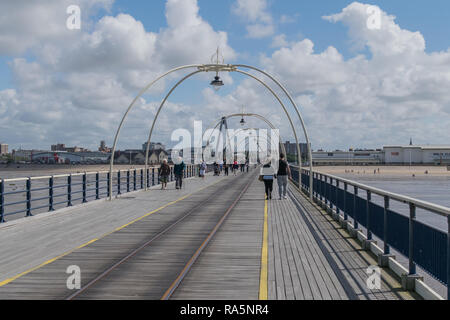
x: 435, y: 208
x: 132, y: 181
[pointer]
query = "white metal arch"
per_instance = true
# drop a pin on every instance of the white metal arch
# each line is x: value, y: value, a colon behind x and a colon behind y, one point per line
x: 215, y: 68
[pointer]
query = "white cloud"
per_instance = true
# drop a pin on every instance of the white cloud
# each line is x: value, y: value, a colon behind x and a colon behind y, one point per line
x: 255, y: 13
x: 279, y: 41
x: 396, y: 93
x: 76, y: 89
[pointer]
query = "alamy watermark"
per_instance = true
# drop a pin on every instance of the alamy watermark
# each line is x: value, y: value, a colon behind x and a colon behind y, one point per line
x: 73, y: 22
x: 242, y: 145
x: 74, y: 280
x: 374, y: 18
x: 374, y: 280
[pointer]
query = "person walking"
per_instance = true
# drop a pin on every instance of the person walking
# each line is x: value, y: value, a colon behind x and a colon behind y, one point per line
x: 164, y: 172
x: 203, y: 169
x: 178, y: 170
x: 267, y: 175
x: 235, y: 167
x: 225, y: 167
x: 282, y: 176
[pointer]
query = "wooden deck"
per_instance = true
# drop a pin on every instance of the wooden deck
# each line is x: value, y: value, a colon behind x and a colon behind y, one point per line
x: 309, y: 256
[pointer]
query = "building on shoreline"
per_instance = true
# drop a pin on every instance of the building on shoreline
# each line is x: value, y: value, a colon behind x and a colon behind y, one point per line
x: 436, y: 155
x: 389, y: 155
x: 3, y: 149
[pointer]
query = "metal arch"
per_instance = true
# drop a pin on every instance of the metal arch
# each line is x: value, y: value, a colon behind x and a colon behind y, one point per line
x: 218, y: 68
x: 229, y: 68
x: 251, y: 115
x: 111, y: 163
x: 156, y: 117
x: 287, y: 114
x: 299, y: 116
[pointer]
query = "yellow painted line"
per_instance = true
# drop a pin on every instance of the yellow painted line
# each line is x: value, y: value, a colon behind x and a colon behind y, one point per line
x: 9, y: 280
x: 264, y: 257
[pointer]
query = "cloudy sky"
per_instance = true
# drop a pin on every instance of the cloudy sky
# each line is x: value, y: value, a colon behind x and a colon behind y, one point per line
x: 356, y: 85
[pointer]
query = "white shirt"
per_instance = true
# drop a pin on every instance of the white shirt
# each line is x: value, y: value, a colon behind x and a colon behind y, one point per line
x: 270, y: 171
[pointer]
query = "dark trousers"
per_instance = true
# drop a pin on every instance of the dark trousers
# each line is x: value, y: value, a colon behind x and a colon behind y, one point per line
x: 179, y: 180
x: 226, y: 171
x: 269, y: 187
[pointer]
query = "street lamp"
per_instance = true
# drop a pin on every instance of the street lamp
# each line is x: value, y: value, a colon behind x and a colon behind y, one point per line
x: 217, y: 59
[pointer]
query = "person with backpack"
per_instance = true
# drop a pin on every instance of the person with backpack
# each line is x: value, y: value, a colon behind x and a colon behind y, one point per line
x: 178, y: 170
x: 267, y: 175
x: 284, y: 172
x: 164, y: 173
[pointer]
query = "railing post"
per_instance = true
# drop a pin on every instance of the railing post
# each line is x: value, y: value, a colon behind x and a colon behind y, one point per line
x: 412, y: 218
x: 337, y: 195
x: 345, y: 202
x: 84, y: 187
x: 142, y: 178
x: 134, y: 180
x: 128, y: 180
x: 171, y: 173
x: 108, y: 175
x: 69, y: 190
x: 118, y: 182
x: 159, y: 176
x: 387, y: 249
x: 355, y: 221
x: 97, y: 186
x: 2, y: 201
x: 329, y: 192
x: 153, y: 176
x: 369, y: 198
x: 448, y: 257
x: 29, y: 197
x: 50, y: 193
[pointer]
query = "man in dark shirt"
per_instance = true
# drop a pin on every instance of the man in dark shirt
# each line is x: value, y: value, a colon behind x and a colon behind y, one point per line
x: 282, y: 176
x: 179, y: 173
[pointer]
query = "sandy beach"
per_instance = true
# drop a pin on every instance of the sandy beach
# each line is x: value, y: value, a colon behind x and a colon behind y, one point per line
x: 387, y: 171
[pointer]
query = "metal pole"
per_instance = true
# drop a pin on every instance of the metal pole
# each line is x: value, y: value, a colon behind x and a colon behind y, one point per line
x: 69, y: 190
x: 355, y: 220
x: 2, y: 201
x: 387, y: 249
x: 97, y: 186
x: 134, y: 180
x: 345, y: 202
x: 29, y: 197
x: 128, y: 180
x: 118, y: 182
x: 448, y: 257
x: 337, y: 196
x: 50, y: 194
x: 84, y: 188
x: 369, y: 233
x: 412, y: 218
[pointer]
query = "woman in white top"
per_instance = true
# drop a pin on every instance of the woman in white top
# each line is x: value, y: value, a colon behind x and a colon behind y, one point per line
x: 267, y: 175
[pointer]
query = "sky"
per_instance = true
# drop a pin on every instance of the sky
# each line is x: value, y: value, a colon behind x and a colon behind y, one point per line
x: 360, y: 80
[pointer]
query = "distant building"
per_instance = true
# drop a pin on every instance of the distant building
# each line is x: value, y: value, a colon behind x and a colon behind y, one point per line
x: 53, y: 157
x: 359, y: 157
x: 103, y: 147
x: 291, y: 149
x: 138, y: 157
x: 3, y: 149
x: 153, y: 146
x: 437, y: 155
x: 62, y: 147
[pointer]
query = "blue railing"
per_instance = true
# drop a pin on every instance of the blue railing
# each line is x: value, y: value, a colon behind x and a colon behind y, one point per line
x: 422, y: 244
x: 39, y: 194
